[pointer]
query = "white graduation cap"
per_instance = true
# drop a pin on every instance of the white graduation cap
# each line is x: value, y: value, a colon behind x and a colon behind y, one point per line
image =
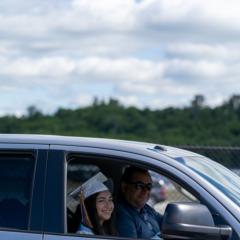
x: 93, y: 185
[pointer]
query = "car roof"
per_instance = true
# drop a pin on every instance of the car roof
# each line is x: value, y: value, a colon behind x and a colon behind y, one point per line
x: 134, y: 146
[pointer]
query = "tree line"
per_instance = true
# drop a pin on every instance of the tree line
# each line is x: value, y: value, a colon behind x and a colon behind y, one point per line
x: 196, y: 124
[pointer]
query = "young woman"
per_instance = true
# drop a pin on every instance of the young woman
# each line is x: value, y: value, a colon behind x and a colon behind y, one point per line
x: 97, y: 207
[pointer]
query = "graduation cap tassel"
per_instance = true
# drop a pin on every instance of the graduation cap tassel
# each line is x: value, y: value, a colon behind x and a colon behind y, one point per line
x: 85, y: 218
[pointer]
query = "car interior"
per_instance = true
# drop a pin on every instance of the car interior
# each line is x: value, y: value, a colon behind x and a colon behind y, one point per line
x: 81, y: 168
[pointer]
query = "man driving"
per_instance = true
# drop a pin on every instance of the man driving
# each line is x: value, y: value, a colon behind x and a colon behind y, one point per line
x: 135, y: 218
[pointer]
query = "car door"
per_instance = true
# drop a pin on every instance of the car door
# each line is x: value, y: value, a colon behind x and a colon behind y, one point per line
x: 56, y: 216
x: 22, y: 174
x: 55, y: 212
x: 54, y: 225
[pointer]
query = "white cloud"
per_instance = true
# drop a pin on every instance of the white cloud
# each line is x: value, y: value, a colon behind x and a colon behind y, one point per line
x: 125, y: 69
x: 24, y: 26
x: 134, y: 87
x: 223, y: 53
x: 188, y: 70
x: 25, y: 67
x: 129, y: 75
x: 214, y: 14
x: 113, y: 15
x: 125, y: 17
x: 150, y: 52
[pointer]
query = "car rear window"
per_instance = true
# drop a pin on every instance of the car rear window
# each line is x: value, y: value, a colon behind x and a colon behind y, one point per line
x: 16, y: 176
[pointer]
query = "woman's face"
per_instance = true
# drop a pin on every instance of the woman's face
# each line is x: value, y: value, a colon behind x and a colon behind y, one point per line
x: 104, y: 206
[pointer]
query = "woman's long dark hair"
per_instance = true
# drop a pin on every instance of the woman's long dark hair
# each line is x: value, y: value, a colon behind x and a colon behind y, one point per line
x: 108, y: 227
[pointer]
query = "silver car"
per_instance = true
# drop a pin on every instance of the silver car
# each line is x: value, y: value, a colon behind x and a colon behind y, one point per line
x: 37, y: 172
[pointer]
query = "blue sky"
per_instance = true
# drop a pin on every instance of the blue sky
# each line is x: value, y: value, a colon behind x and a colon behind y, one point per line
x: 149, y: 53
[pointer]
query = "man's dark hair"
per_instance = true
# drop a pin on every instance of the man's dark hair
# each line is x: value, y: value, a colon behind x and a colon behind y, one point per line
x: 129, y: 171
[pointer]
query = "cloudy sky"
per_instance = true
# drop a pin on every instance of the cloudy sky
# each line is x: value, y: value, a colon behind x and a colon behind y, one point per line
x: 146, y: 53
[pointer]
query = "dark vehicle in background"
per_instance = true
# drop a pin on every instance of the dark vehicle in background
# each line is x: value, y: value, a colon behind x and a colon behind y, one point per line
x: 38, y: 173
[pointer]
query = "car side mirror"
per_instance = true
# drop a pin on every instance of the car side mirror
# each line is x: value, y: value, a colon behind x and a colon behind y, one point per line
x: 191, y: 221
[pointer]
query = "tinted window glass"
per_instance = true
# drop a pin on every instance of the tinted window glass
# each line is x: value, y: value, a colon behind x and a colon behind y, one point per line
x: 16, y: 175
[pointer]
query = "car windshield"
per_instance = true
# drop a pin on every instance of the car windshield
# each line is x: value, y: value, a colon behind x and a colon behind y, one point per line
x: 222, y: 178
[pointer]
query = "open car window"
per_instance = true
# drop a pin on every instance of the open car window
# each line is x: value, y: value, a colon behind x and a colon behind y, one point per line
x: 81, y: 168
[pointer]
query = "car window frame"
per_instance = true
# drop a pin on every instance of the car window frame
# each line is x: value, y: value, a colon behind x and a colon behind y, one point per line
x: 18, y: 155
x: 152, y: 163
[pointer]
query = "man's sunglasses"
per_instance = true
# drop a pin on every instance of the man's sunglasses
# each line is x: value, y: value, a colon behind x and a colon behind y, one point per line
x: 141, y: 186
